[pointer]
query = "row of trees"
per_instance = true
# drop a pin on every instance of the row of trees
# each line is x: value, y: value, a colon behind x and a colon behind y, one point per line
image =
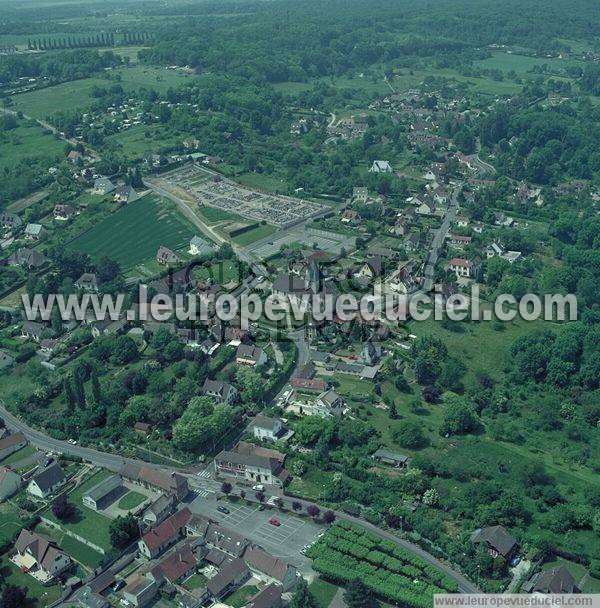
x: 78, y: 42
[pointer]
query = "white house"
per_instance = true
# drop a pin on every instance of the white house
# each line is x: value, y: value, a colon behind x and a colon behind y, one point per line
x: 381, y: 166
x: 47, y: 481
x: 265, y: 428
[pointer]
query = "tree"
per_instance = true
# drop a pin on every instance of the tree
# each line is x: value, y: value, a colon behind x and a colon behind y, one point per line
x: 393, y: 411
x: 62, y: 508
x: 250, y: 383
x: 13, y: 597
x: 313, y: 510
x: 260, y: 496
x: 358, y: 595
x: 296, y: 506
x: 226, y: 487
x: 408, y: 434
x: 329, y: 516
x: 302, y: 597
x: 459, y: 417
x: 123, y: 531
x: 431, y: 498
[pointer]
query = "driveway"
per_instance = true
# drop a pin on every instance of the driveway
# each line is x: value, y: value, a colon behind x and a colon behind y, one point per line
x: 285, y: 541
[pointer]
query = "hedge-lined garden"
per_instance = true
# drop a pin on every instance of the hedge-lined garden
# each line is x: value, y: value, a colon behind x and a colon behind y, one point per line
x: 348, y: 551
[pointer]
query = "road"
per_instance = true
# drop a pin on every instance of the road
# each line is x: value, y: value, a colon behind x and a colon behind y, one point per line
x: 48, y: 444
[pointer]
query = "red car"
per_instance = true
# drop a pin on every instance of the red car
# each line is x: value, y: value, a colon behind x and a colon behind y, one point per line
x: 274, y: 521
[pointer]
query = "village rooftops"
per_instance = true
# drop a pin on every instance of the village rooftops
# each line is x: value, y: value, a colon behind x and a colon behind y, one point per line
x: 227, y: 576
x: 497, y: 538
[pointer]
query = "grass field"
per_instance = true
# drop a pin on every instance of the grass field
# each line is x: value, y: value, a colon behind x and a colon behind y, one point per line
x: 29, y: 141
x: 323, y: 592
x: 86, y: 523
x: 522, y: 64
x: 212, y: 215
x: 195, y: 581
x: 134, y: 143
x: 80, y: 552
x: 132, y: 235
x: 260, y: 232
x: 240, y: 597
x: 10, y: 521
x: 131, y: 500
x: 21, y: 454
x: 38, y: 595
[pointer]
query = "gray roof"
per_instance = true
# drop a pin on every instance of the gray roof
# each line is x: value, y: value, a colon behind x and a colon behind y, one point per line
x: 49, y: 477
x: 100, y: 490
x: 390, y: 455
x: 497, y: 537
x: 226, y: 576
x: 265, y: 422
x: 201, y: 244
x: 554, y: 580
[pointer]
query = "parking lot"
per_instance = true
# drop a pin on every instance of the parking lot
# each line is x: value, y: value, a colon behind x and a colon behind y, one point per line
x: 284, y: 541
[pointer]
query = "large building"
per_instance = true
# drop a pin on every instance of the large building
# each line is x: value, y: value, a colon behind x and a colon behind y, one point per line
x: 252, y: 464
x: 171, y: 483
x: 103, y: 493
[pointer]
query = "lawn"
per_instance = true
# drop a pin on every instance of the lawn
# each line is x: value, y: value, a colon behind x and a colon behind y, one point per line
x: 323, y: 592
x: 86, y: 523
x: 29, y: 141
x: 38, y: 595
x: 80, y: 552
x: 196, y: 581
x: 132, y: 235
x: 240, y: 597
x: 19, y: 455
x: 254, y: 234
x: 10, y: 521
x: 222, y: 273
x: 131, y: 500
x: 212, y: 215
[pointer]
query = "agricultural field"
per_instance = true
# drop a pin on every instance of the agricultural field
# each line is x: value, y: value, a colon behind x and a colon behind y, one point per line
x: 348, y: 551
x: 132, y: 235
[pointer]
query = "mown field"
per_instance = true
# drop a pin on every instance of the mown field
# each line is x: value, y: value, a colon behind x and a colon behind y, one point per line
x: 132, y: 235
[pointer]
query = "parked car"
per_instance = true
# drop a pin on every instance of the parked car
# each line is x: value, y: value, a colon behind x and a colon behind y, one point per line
x: 259, y: 487
x: 274, y: 522
x: 118, y: 585
x: 223, y: 509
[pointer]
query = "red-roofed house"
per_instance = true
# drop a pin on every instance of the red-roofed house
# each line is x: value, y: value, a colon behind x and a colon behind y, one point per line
x: 164, y: 535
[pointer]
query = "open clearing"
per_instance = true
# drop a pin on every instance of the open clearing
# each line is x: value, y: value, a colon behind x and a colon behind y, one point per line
x: 132, y: 235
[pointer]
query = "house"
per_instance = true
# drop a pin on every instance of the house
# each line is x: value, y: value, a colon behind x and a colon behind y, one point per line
x: 458, y: 240
x: 270, y: 569
x: 498, y: 541
x: 10, y: 221
x: 159, y: 510
x: 63, y: 212
x: 380, y: 166
x: 103, y: 186
x: 462, y: 221
x: 189, y: 336
x: 140, y: 592
x: 87, y: 281
x: 327, y: 404
x: 252, y: 464
x: 10, y: 483
x: 219, y: 538
x: 349, y: 216
x: 426, y: 207
x: 412, y: 241
x: 33, y: 232
x: 103, y: 493
x: 5, y: 359
x: 269, y: 597
x: 74, y: 156
x: 310, y: 385
x: 209, y: 346
x: 403, y: 279
x: 165, y: 534
x: 178, y: 565
x: 107, y: 327
x: 360, y: 194
x: 47, y: 481
x: 265, y: 428
x: 371, y: 353
x: 39, y: 556
x: 371, y: 269
x: 222, y: 391
x: 33, y: 330
x: 125, y: 194
x: 166, y: 256
x: 11, y: 443
x: 556, y: 580
x: 250, y: 354
x: 399, y: 461
x: 142, y: 428
x: 478, y: 227
x: 172, y: 483
x: 495, y: 249
x: 199, y: 246
x: 465, y: 268
x: 27, y: 258
x: 229, y: 578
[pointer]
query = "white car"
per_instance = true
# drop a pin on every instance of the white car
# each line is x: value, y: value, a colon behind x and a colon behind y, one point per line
x: 259, y: 487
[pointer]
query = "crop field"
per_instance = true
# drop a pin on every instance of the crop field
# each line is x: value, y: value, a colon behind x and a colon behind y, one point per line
x: 523, y: 64
x: 132, y: 235
x: 348, y: 551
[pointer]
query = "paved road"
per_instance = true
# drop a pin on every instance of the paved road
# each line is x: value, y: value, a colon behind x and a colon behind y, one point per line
x: 46, y: 443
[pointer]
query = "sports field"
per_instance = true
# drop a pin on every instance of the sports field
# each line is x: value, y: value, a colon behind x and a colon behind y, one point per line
x: 132, y: 235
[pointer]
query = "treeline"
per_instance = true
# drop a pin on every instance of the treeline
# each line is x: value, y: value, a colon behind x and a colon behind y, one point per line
x: 79, y: 42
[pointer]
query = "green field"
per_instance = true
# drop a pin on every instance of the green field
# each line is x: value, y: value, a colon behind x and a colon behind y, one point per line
x: 523, y: 64
x: 38, y: 595
x: 86, y: 523
x: 323, y: 592
x: 10, y: 521
x: 29, y: 141
x: 132, y: 235
x: 19, y: 455
x: 254, y: 234
x: 80, y: 552
x: 134, y: 143
x: 212, y: 215
x: 131, y: 500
